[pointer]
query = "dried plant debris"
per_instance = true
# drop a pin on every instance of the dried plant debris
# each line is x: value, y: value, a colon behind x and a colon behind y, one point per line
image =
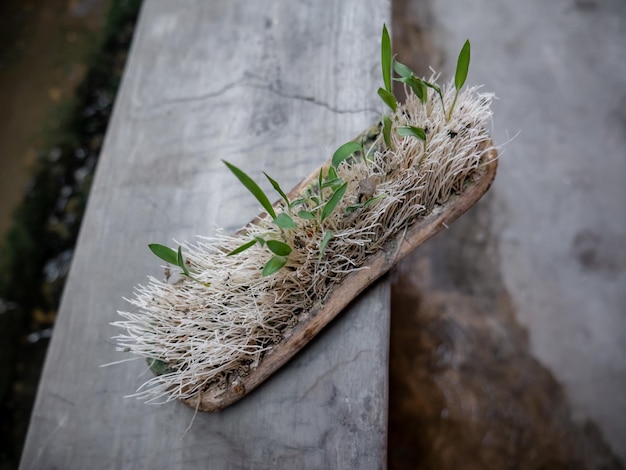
x: 239, y: 295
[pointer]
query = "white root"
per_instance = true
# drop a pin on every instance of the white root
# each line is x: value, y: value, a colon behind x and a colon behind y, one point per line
x: 206, y: 336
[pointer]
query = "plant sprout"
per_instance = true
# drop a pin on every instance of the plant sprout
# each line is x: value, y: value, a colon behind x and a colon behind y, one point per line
x: 344, y: 152
x: 419, y: 86
x: 175, y: 258
x: 385, y: 59
x: 265, y: 278
x: 460, y: 76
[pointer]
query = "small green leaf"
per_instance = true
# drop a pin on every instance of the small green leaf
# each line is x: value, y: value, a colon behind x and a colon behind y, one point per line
x: 344, y: 152
x: 460, y: 76
x: 298, y: 202
x: 333, y: 183
x: 259, y: 240
x: 274, y: 265
x: 387, y: 131
x: 333, y: 201
x: 438, y: 91
x: 241, y: 248
x: 362, y: 205
x: 278, y: 248
x: 284, y: 221
x: 408, y: 77
x: 462, y: 66
x: 278, y: 189
x: 181, y: 261
x: 388, y: 98
x: 371, y: 201
x: 402, y: 70
x: 418, y: 87
x: 385, y: 52
x: 332, y: 173
x: 307, y: 215
x: 254, y: 188
x: 165, y: 253
x: 434, y: 87
x: 412, y: 131
x: 328, y: 234
x: 320, y: 180
x: 420, y: 90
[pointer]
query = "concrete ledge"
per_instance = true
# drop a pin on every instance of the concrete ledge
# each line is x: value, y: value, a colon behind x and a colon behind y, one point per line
x: 267, y: 85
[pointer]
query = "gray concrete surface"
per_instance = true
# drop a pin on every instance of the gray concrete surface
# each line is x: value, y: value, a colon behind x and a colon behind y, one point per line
x: 216, y: 80
x: 559, y: 70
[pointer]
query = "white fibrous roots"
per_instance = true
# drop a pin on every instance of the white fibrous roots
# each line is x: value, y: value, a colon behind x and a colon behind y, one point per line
x: 197, y: 337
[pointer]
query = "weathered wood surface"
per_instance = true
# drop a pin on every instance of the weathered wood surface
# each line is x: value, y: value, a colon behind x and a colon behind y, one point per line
x: 267, y: 85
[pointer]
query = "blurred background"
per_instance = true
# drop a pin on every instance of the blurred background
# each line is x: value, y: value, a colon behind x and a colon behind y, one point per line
x: 60, y: 65
x: 508, y: 340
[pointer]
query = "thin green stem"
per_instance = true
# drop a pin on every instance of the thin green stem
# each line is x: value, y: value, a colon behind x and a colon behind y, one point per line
x: 449, y: 115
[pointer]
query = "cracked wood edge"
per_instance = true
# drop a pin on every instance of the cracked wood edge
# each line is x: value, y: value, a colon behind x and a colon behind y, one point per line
x: 339, y: 297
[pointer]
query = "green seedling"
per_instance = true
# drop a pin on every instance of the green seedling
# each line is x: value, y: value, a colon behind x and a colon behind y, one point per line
x: 329, y: 207
x: 285, y: 221
x: 408, y: 77
x: 385, y: 58
x: 462, y: 67
x: 386, y: 93
x: 240, y: 319
x: 387, y: 131
x: 320, y: 181
x: 165, y: 253
x: 278, y: 248
x: 412, y: 131
x: 438, y: 91
x: 244, y: 247
x: 362, y: 205
x: 274, y: 265
x: 175, y: 258
x: 254, y: 188
x: 332, y: 180
x: 402, y: 70
x: 388, y: 98
x: 332, y: 174
x: 343, y: 153
x: 418, y: 133
x: 322, y: 208
x: 280, y: 251
x: 418, y: 85
x: 317, y: 207
x: 279, y: 190
x: 306, y: 215
x: 328, y: 234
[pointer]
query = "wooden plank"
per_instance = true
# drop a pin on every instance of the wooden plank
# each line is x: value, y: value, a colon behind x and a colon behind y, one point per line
x: 267, y: 85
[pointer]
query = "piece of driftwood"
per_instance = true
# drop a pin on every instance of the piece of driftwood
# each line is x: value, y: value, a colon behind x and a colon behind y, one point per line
x: 341, y: 295
x: 270, y: 85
